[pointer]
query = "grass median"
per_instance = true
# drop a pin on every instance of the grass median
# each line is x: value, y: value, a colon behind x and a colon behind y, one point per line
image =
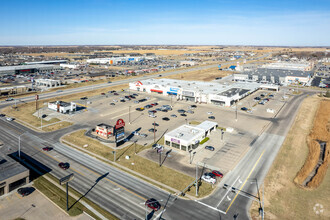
x: 136, y: 163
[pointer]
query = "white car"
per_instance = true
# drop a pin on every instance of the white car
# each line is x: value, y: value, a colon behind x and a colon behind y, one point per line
x: 210, y: 113
x: 136, y: 133
x: 9, y: 119
x: 115, y: 100
x: 209, y: 179
x: 152, y: 116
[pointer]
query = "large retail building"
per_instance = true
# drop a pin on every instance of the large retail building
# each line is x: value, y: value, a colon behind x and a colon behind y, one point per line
x: 200, y: 92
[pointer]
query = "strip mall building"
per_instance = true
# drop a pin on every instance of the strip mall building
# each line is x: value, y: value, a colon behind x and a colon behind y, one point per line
x: 201, y: 92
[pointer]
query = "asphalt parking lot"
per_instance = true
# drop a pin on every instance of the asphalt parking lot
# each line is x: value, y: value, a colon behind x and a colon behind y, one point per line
x: 34, y: 206
x: 227, y: 152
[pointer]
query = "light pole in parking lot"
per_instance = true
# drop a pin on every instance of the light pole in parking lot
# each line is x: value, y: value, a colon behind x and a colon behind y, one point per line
x: 154, y: 131
x: 236, y: 111
x: 129, y: 114
x: 222, y: 132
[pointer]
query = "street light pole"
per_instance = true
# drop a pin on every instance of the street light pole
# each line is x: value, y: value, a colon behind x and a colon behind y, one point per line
x: 129, y: 114
x: 154, y: 131
x: 196, y: 180
x: 236, y: 111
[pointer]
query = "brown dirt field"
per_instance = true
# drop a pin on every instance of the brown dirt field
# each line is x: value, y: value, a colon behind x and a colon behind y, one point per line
x: 321, y: 132
x: 284, y: 199
x: 201, y: 75
x: 157, y: 52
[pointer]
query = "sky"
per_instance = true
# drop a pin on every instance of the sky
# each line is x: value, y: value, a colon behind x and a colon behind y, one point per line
x: 166, y: 22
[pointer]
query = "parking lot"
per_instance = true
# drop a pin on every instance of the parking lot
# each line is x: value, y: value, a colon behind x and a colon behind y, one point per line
x: 34, y: 206
x: 108, y: 108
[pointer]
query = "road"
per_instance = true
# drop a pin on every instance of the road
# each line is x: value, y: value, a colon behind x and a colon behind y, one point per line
x: 124, y: 195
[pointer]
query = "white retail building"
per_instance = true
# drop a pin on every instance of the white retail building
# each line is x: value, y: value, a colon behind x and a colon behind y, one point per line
x: 187, y: 137
x: 200, y: 92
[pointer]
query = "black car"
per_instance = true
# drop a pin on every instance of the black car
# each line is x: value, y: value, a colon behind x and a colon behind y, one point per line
x: 244, y: 109
x: 166, y: 119
x: 184, y: 115
x: 211, y: 117
x: 112, y: 103
x: 164, y: 110
x: 135, y: 94
x: 64, y: 166
x: 193, y: 106
x: 25, y: 191
x: 2, y: 115
x: 84, y: 98
x: 155, y: 124
x: 122, y: 100
x: 209, y: 148
x: 181, y: 111
x: 152, y: 130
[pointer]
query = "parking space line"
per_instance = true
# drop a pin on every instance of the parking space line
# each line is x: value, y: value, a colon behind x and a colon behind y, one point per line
x: 245, y: 180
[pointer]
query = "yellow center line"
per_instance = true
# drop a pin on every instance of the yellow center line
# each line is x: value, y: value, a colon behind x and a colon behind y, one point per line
x: 245, y: 180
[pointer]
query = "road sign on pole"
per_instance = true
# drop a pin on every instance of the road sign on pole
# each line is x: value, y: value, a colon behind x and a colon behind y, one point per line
x: 66, y: 180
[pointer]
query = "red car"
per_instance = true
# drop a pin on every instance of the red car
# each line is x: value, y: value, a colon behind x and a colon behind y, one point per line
x: 217, y: 173
x: 64, y: 166
x: 47, y: 149
x: 153, y: 204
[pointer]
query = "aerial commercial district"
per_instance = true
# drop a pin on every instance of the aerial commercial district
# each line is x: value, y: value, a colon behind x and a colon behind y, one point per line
x: 175, y: 132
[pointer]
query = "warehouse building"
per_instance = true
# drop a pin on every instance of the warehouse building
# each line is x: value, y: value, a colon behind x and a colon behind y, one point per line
x: 48, y: 82
x: 275, y: 76
x: 187, y: 137
x: 62, y: 107
x: 200, y: 92
x: 12, y: 174
x: 24, y: 69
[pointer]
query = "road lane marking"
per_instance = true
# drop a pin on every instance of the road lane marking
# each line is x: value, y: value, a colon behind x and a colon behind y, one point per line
x: 211, y: 207
x: 161, y: 213
x: 245, y: 181
x: 227, y: 191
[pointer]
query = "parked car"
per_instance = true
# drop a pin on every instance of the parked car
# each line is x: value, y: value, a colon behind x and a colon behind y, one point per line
x: 9, y: 99
x: 112, y: 103
x: 152, y: 116
x: 217, y: 173
x: 148, y: 106
x: 152, y: 111
x: 153, y: 204
x: 136, y: 133
x: 174, y: 116
x: 102, y: 93
x: 136, y: 101
x: 83, y: 98
x: 47, y: 149
x: 155, y: 124
x: 139, y: 109
x: 208, y: 179
x: 115, y: 93
x: 64, y: 166
x: 209, y: 148
x: 271, y: 96
x: 190, y: 111
x: 2, y: 115
x: 115, y: 100
x: 211, y: 117
x: 144, y: 135
x: 158, y: 109
x: 210, y: 113
x: 25, y: 191
x: 244, y: 109
x: 166, y: 119
x: 164, y: 110
x: 181, y: 111
x: 122, y: 100
x: 152, y: 130
x: 184, y: 115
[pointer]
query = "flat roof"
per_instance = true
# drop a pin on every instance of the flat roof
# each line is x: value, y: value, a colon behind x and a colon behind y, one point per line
x: 201, y: 87
x: 207, y: 125
x: 103, y: 125
x: 278, y: 72
x: 185, y: 132
x: 24, y: 67
x: 9, y: 167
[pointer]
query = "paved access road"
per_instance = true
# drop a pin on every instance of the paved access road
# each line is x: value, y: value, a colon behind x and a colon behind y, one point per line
x: 124, y: 195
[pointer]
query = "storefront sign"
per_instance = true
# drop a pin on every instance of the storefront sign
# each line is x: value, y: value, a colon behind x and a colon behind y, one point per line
x: 175, y: 141
x: 120, y: 123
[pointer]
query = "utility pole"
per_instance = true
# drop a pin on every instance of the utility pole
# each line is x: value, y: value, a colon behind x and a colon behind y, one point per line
x: 196, y: 179
x: 129, y: 114
x: 236, y: 111
x: 154, y: 131
x: 114, y: 156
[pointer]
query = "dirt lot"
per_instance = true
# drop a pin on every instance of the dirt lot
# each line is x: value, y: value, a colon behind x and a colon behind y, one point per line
x: 283, y: 198
x: 201, y: 75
